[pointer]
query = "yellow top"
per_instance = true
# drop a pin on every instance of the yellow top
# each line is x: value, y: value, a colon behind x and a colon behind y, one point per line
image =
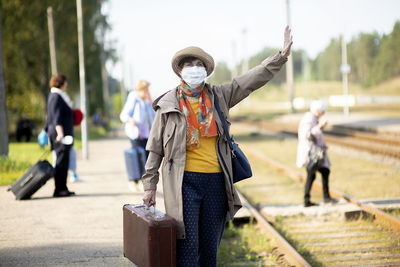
x: 204, y: 159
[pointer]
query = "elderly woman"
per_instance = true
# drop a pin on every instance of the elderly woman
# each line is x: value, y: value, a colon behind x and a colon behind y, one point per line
x: 60, y: 123
x: 310, y: 137
x: 188, y: 141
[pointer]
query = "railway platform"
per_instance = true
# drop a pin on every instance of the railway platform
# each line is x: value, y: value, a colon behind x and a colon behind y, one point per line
x: 83, y: 230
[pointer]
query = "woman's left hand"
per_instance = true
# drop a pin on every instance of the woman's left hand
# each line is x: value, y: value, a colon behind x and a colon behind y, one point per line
x: 287, y: 42
x: 149, y: 198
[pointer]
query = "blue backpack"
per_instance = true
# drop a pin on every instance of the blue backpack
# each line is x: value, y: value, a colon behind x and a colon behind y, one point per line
x: 43, y: 139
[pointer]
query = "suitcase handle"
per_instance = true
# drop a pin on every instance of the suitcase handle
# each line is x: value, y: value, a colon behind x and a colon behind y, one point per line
x: 26, y: 180
x: 147, y: 208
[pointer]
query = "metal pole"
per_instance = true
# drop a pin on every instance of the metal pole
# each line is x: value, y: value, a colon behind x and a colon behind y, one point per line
x: 245, y: 66
x: 104, y: 77
x: 345, y: 81
x: 123, y: 82
x: 234, y: 70
x: 52, y: 42
x: 289, y: 65
x: 106, y: 91
x: 84, y: 126
x: 131, y: 77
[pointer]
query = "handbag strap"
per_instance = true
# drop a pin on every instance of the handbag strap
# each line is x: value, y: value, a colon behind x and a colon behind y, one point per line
x: 226, y: 131
x: 45, y: 154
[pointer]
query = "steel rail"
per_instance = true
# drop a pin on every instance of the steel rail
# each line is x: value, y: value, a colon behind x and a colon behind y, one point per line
x: 336, y: 131
x: 291, y: 255
x: 374, y: 149
x: 381, y: 217
x: 333, y: 138
x: 365, y: 136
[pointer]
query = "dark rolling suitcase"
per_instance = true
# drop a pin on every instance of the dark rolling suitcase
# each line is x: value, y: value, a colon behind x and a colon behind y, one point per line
x: 32, y: 180
x: 149, y: 236
x: 135, y: 158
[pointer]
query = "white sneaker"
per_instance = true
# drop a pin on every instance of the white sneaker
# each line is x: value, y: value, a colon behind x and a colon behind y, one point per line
x: 74, y: 178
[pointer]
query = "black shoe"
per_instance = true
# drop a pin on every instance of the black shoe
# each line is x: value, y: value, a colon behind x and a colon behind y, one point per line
x: 64, y: 193
x: 309, y: 204
x: 331, y: 200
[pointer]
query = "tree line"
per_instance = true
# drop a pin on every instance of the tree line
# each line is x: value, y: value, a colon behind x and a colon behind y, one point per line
x: 26, y: 53
x: 373, y: 57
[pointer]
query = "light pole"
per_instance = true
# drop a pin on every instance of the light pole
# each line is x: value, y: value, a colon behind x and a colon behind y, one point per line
x: 245, y: 66
x: 289, y: 65
x: 345, y: 69
x: 234, y: 70
x: 84, y: 125
x: 52, y: 42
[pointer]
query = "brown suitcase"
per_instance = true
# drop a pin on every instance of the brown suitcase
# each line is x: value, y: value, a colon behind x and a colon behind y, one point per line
x: 149, y: 236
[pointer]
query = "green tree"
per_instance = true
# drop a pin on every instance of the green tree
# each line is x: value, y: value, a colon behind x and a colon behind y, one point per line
x: 362, y: 52
x: 222, y: 74
x: 387, y: 62
x: 26, y: 52
x: 326, y: 66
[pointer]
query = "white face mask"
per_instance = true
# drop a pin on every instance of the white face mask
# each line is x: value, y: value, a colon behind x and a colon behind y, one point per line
x: 194, y: 76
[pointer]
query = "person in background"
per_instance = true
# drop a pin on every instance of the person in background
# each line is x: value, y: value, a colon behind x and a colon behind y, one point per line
x: 310, y: 135
x: 73, y: 175
x: 97, y: 119
x: 24, y: 128
x: 78, y: 117
x: 187, y: 142
x: 138, y: 115
x: 60, y: 123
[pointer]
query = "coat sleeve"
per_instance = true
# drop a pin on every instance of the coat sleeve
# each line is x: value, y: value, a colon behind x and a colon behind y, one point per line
x: 55, y: 107
x: 241, y: 86
x: 127, y: 109
x: 156, y: 153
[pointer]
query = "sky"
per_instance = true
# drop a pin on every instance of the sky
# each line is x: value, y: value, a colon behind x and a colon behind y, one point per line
x: 147, y: 33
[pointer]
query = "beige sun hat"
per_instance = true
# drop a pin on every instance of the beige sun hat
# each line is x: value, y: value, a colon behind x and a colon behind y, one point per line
x: 192, y: 51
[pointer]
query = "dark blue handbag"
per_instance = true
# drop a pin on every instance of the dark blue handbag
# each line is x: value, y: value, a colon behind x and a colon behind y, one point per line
x: 240, y: 164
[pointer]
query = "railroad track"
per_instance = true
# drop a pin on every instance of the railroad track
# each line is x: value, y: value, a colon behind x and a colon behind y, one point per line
x: 383, y: 145
x: 329, y: 241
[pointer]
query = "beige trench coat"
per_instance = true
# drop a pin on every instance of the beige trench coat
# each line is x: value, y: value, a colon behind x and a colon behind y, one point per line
x: 167, y: 140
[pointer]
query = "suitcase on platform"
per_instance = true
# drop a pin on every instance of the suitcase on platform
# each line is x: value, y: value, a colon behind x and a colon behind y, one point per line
x: 32, y: 180
x: 149, y: 236
x: 135, y: 159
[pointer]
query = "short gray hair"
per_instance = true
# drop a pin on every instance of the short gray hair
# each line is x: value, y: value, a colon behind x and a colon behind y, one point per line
x: 318, y: 106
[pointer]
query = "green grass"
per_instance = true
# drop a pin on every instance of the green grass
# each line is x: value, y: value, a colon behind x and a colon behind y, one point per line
x: 20, y: 158
x: 245, y: 245
x: 24, y: 154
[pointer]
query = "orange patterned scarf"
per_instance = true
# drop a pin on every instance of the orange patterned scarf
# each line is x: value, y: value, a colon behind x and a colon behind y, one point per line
x: 205, y: 124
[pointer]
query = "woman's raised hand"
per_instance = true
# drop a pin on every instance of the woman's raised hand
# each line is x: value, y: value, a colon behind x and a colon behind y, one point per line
x: 287, y: 42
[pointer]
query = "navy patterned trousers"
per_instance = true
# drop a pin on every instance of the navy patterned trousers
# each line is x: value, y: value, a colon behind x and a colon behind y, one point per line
x: 204, y: 213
